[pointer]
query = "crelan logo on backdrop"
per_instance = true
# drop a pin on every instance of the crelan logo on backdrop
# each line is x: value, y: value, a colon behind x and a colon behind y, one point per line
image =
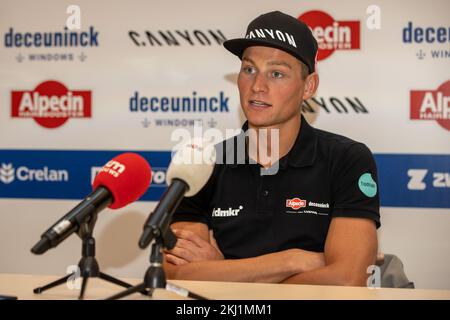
x: 9, y: 174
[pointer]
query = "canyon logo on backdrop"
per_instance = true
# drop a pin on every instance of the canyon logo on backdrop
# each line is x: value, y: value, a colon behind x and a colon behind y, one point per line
x: 51, y: 104
x: 331, y: 34
x: 432, y: 105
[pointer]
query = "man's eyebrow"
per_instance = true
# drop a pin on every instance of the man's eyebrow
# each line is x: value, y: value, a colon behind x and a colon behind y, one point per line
x: 279, y: 63
x: 247, y: 59
x: 271, y: 63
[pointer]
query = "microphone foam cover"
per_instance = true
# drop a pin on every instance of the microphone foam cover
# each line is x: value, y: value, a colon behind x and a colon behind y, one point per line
x: 127, y: 176
x: 193, y: 163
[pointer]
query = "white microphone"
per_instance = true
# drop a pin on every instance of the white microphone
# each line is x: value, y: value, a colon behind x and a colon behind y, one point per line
x: 189, y: 171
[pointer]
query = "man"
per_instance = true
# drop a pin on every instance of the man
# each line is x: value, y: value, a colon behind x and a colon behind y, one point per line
x: 311, y: 222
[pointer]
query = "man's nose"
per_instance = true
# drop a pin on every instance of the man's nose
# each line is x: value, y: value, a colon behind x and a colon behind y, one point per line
x: 260, y: 83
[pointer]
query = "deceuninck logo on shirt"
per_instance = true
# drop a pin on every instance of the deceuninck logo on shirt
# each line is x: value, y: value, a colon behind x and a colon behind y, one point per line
x: 367, y: 185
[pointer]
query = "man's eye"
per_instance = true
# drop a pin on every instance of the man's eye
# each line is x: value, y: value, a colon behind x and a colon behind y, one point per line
x: 277, y: 74
x: 248, y: 70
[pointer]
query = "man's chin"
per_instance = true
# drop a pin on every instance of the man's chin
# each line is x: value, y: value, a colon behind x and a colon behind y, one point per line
x: 259, y: 123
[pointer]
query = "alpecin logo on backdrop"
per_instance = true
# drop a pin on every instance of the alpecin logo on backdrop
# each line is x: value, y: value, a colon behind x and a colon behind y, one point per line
x: 332, y: 34
x: 432, y: 105
x: 69, y: 40
x: 51, y: 104
x: 433, y: 40
x: 9, y: 174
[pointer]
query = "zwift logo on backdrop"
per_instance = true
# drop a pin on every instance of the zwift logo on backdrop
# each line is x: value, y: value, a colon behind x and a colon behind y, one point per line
x: 439, y: 37
x: 432, y: 105
x: 51, y: 104
x: 9, y: 174
x: 50, y: 40
x: 414, y: 180
x: 332, y: 34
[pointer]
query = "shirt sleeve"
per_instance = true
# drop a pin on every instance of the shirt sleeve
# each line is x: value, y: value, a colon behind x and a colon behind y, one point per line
x: 196, y: 208
x: 355, y: 185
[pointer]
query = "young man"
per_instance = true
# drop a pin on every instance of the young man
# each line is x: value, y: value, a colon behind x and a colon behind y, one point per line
x: 312, y: 222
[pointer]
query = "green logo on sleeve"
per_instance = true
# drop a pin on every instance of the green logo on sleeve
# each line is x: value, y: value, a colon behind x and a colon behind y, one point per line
x: 367, y: 185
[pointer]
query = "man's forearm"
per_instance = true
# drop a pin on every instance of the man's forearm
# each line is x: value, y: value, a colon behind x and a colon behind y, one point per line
x: 333, y: 274
x: 269, y: 268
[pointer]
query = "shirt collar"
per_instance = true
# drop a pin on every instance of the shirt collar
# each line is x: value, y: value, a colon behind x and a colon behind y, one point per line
x: 302, y: 153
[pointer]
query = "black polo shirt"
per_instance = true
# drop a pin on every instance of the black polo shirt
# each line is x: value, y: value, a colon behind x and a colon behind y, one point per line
x: 323, y: 176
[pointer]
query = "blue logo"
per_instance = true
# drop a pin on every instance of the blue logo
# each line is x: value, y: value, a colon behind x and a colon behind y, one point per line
x: 404, y: 180
x: 188, y: 104
x: 414, y: 180
x: 45, y: 174
x: 426, y: 34
x: 66, y: 38
x: 439, y: 36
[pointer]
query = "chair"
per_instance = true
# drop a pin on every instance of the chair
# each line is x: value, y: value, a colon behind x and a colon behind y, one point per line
x: 392, y: 273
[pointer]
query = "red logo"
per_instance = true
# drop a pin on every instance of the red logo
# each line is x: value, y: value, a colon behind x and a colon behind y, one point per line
x: 331, y: 34
x: 51, y: 104
x: 295, y: 203
x: 432, y: 105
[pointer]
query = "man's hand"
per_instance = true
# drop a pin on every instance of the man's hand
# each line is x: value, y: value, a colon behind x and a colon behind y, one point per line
x: 307, y: 260
x: 190, y: 247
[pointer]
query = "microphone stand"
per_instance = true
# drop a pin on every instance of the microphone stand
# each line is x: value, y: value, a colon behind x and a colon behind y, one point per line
x: 155, y: 277
x: 88, y: 264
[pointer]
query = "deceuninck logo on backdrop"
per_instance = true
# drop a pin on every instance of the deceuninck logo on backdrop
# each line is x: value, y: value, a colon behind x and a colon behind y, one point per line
x: 332, y: 34
x: 432, y: 41
x: 51, y: 45
x: 51, y: 104
x: 432, y: 105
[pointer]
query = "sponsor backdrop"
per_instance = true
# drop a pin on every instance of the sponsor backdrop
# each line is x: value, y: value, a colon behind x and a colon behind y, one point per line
x: 135, y: 73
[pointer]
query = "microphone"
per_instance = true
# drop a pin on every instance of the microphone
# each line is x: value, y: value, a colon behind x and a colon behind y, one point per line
x: 122, y: 180
x: 189, y: 170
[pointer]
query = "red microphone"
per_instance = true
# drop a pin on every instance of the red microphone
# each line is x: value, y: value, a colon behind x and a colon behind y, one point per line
x: 123, y: 180
x: 127, y: 177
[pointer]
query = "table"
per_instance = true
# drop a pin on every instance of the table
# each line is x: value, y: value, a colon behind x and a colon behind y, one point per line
x: 22, y: 285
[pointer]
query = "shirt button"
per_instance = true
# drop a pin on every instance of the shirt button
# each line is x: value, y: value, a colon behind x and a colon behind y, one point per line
x: 265, y: 193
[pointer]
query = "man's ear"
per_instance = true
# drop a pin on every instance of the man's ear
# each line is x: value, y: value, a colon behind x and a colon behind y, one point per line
x: 311, y: 84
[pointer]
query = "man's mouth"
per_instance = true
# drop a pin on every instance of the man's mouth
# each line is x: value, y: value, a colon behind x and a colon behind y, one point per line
x: 259, y: 104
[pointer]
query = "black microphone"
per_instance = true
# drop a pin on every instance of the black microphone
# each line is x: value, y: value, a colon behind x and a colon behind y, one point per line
x: 64, y: 227
x: 121, y: 181
x: 189, y: 171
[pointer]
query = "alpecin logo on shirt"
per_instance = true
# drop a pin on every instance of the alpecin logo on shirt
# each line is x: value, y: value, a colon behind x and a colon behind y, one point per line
x: 295, y: 203
x: 311, y: 207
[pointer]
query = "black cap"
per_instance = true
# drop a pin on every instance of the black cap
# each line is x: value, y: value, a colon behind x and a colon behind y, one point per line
x: 278, y: 30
